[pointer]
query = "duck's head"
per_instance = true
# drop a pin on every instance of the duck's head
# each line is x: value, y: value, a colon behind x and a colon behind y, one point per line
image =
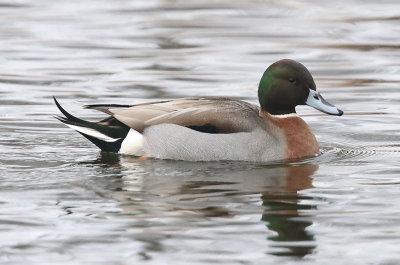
x: 286, y: 84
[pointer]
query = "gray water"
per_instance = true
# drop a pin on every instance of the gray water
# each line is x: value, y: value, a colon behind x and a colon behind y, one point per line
x: 62, y: 202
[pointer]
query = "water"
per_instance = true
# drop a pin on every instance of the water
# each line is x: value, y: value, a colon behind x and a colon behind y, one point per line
x: 61, y: 202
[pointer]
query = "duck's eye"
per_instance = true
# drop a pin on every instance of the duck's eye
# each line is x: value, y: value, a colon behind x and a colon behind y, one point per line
x: 292, y: 80
x: 316, y: 97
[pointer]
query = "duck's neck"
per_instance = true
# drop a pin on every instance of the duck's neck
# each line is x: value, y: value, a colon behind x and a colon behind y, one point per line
x: 301, y: 142
x: 277, y: 111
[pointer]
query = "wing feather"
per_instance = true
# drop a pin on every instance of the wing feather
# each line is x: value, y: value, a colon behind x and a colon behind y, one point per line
x: 227, y: 115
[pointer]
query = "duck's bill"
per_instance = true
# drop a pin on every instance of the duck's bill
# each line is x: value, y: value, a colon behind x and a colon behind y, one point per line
x: 316, y: 101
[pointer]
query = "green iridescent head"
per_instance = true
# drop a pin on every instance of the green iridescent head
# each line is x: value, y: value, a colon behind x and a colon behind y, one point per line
x: 286, y: 84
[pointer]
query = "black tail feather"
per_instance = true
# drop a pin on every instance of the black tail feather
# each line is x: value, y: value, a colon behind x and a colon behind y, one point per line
x: 112, y: 147
x: 109, y: 127
x: 105, y: 107
x: 69, y: 116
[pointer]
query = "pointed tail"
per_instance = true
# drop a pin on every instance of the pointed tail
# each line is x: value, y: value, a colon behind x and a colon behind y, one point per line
x: 107, y: 134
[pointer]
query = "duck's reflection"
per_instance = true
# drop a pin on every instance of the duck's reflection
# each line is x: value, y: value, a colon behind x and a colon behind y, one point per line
x: 183, y: 189
x: 282, y: 209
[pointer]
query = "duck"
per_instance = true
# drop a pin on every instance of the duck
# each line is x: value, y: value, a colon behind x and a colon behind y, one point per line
x: 214, y: 128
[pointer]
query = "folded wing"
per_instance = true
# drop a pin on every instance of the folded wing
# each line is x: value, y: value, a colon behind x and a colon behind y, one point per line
x: 212, y: 115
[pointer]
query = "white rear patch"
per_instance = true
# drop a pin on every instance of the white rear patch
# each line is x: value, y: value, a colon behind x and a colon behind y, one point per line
x: 93, y: 133
x: 132, y: 144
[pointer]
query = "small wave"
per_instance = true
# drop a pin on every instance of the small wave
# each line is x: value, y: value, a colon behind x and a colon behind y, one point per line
x: 346, y: 154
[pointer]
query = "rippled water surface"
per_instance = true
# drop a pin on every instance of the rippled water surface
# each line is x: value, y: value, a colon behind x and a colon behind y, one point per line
x: 62, y: 202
